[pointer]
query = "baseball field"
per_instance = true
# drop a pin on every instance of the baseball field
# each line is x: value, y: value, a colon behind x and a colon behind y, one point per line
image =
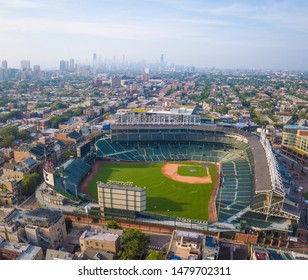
x: 181, y: 189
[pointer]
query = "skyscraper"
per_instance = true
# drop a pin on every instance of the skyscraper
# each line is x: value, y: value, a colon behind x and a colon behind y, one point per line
x: 25, y: 65
x: 63, y: 65
x: 147, y: 71
x: 161, y: 64
x: 2, y: 74
x: 72, y: 65
x: 94, y: 62
x: 146, y: 74
x: 36, y: 69
x: 3, y: 70
x: 4, y: 65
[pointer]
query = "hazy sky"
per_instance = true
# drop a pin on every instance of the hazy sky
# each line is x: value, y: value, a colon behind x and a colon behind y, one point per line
x: 263, y: 34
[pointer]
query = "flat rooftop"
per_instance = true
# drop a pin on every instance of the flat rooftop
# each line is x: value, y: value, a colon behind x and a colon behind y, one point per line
x: 30, y: 253
x: 109, y: 237
x: 14, y: 247
x: 43, y: 217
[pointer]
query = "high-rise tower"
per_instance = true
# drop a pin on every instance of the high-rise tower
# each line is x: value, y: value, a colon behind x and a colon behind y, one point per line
x: 63, y: 65
x: 94, y: 60
x: 4, y: 65
x: 25, y: 65
x: 72, y: 65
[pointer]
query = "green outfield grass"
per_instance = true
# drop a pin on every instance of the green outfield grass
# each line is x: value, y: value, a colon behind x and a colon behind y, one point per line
x: 164, y: 196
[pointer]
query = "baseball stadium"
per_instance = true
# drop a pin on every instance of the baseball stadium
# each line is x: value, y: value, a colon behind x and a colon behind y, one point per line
x: 211, y: 173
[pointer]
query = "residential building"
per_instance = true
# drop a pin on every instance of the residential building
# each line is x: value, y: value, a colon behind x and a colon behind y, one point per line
x: 101, y: 239
x: 37, y: 151
x: 41, y: 124
x: 25, y: 166
x: 70, y: 137
x: 115, y: 82
x: 41, y: 227
x: 294, y: 147
x: 59, y: 255
x: 10, y: 191
x: 185, y: 245
x: 19, y: 251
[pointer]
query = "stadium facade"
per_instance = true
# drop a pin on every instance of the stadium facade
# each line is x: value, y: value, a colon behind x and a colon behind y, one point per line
x: 251, y: 186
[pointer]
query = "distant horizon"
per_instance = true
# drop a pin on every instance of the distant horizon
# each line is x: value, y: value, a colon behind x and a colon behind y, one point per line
x: 56, y: 68
x: 225, y: 34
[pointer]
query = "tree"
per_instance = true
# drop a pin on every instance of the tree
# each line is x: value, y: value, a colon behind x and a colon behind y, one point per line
x: 10, y: 130
x: 56, y: 120
x: 24, y: 135
x: 78, y: 111
x: 66, y: 155
x: 30, y: 182
x: 7, y: 141
x: 113, y: 225
x: 222, y: 109
x: 11, y: 133
x: 11, y: 115
x: 58, y: 105
x: 40, y: 105
x: 155, y: 255
x: 134, y: 243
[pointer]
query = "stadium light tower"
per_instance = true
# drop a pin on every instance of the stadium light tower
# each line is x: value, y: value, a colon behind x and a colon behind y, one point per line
x: 64, y: 183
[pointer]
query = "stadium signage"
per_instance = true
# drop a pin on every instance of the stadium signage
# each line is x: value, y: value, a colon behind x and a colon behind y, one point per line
x: 120, y: 183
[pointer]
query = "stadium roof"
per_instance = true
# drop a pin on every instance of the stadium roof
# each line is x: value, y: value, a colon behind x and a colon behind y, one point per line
x: 262, y: 176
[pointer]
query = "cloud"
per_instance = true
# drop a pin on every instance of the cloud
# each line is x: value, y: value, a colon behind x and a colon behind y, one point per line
x: 128, y: 30
x: 200, y: 21
x: 22, y: 3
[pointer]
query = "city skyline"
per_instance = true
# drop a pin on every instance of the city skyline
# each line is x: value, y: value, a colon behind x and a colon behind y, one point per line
x: 229, y: 34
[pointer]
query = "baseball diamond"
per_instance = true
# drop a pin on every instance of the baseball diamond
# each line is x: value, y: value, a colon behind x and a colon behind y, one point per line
x: 166, y: 194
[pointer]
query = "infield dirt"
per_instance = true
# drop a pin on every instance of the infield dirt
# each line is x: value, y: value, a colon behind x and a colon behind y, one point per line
x: 170, y: 170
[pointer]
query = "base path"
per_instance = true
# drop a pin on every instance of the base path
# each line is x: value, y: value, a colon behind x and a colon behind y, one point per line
x: 170, y: 170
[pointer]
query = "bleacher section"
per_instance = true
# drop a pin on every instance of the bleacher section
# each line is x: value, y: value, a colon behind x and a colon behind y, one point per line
x: 167, y: 151
x: 235, y: 192
x: 74, y: 174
